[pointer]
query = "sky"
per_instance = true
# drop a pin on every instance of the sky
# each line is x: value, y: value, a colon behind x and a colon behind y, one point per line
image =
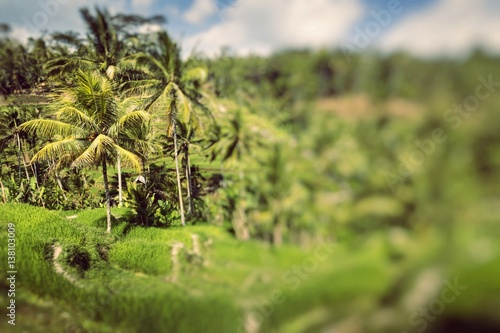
x: 425, y: 28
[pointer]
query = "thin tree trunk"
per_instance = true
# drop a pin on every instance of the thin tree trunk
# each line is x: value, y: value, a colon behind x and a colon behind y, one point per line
x: 143, y: 162
x: 277, y: 232
x: 19, y: 165
x: 108, y: 199
x: 16, y: 135
x: 120, y: 188
x: 181, y: 204
x: 188, y: 180
x: 58, y: 179
x: 3, y: 192
x: 22, y: 157
x: 239, y: 217
x: 34, y: 173
x: 59, y: 182
x: 85, y: 181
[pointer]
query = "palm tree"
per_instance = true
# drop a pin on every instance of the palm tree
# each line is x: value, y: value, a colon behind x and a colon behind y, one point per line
x: 85, y: 128
x: 142, y: 140
x: 275, y: 188
x: 10, y: 118
x: 167, y: 90
x: 240, y: 134
x: 109, y: 40
x: 187, y: 143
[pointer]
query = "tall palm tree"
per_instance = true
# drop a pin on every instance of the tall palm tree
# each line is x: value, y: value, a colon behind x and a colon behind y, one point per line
x: 142, y: 140
x: 85, y: 128
x: 239, y: 136
x: 10, y: 118
x: 187, y: 143
x: 276, y: 183
x: 109, y: 40
x: 170, y: 91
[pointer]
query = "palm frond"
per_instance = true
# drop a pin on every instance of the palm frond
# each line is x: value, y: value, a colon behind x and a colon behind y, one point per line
x: 111, y: 71
x: 142, y: 146
x: 144, y: 59
x: 129, y: 120
x: 199, y: 74
x: 99, y: 148
x: 182, y: 103
x: 128, y: 158
x: 49, y: 127
x: 140, y: 87
x: 57, y: 149
x: 130, y: 104
x: 72, y: 115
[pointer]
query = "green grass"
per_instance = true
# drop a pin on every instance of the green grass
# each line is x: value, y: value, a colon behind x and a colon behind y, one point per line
x: 129, y: 287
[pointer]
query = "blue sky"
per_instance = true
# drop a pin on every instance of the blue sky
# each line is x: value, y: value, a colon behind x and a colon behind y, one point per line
x: 422, y: 27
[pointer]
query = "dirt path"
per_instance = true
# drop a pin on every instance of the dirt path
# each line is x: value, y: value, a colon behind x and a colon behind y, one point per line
x: 176, y: 267
x: 58, y: 267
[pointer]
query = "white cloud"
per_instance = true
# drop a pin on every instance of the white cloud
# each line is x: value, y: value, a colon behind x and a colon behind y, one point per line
x: 141, y: 3
x: 141, y: 6
x: 21, y: 34
x: 149, y: 28
x: 262, y: 26
x: 451, y: 28
x: 199, y: 11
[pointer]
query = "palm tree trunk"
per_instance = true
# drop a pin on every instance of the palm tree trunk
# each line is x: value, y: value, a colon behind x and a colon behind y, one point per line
x: 3, y: 192
x: 59, y: 182
x: 108, y: 199
x: 188, y: 180
x: 181, y: 204
x: 239, y: 218
x: 120, y: 188
x: 58, y: 179
x: 23, y: 158
x: 277, y: 232
x: 35, y: 172
x: 32, y: 170
x: 19, y: 165
x: 85, y: 181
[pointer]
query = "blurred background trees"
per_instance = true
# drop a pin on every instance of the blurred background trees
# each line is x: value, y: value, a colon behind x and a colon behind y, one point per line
x: 285, y: 148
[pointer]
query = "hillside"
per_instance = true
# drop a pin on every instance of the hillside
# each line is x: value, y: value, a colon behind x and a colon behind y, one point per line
x: 200, y: 279
x: 298, y: 192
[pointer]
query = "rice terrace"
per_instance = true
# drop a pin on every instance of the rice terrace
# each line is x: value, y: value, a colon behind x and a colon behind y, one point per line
x: 249, y: 166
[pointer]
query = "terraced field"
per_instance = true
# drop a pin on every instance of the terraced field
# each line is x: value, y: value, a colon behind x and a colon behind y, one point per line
x: 199, y: 278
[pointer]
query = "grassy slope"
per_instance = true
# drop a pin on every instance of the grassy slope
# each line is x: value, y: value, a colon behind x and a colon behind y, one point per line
x: 129, y: 286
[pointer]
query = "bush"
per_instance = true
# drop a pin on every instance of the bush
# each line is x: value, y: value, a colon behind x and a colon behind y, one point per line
x: 78, y: 257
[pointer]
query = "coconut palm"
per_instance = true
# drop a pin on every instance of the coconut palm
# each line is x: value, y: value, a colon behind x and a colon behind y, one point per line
x: 240, y: 134
x: 109, y: 40
x: 187, y: 143
x: 142, y: 140
x: 85, y: 128
x: 167, y: 90
x: 10, y: 118
x: 275, y: 187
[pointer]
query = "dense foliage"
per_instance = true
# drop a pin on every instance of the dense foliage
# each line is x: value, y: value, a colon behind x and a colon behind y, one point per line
x: 395, y: 159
